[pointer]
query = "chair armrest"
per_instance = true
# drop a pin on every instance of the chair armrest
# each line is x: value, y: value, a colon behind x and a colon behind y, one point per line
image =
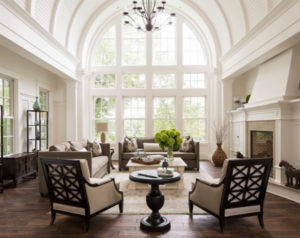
x: 95, y: 182
x: 101, y: 196
x: 105, y: 147
x: 207, y: 195
x: 120, y: 150
x: 197, y: 152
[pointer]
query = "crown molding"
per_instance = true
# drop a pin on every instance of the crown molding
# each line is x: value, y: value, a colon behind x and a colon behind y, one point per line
x: 59, y: 56
x: 258, y: 28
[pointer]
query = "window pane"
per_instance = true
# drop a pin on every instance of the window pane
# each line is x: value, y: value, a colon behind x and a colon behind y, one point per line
x: 105, y: 81
x: 134, y: 107
x: 6, y: 88
x: 163, y: 125
x: 7, y: 107
x: 163, y: 46
x: 164, y: 107
x: 106, y: 51
x: 105, y: 108
x: 134, y: 46
x: 163, y: 81
x: 110, y: 134
x: 194, y: 107
x: 134, y: 128
x: 192, y: 50
x: 195, y: 128
x: 44, y: 98
x: 134, y: 81
x: 194, y: 80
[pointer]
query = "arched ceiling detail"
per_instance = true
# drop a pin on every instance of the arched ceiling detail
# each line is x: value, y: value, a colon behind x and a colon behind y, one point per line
x: 72, y: 22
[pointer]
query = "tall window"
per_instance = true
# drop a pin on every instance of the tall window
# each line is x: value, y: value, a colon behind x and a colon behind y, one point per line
x: 163, y: 113
x: 6, y: 100
x: 147, y: 82
x: 194, y: 115
x: 105, y: 111
x: 44, y: 103
x: 134, y: 116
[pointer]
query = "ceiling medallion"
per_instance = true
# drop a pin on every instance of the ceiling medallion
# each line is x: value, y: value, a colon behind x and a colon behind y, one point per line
x: 148, y: 15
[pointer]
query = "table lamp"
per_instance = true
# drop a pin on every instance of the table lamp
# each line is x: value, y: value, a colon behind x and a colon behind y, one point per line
x: 102, y: 127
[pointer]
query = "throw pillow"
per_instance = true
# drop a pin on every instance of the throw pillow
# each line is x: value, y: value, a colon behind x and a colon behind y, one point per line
x: 187, y: 144
x: 73, y: 148
x: 152, y: 147
x: 95, y: 148
x: 76, y: 144
x: 130, y: 144
x: 58, y: 148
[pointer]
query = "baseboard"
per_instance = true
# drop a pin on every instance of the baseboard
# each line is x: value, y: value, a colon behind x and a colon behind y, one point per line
x: 284, y: 191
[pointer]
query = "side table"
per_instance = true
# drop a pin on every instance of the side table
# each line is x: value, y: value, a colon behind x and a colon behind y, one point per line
x: 155, y: 199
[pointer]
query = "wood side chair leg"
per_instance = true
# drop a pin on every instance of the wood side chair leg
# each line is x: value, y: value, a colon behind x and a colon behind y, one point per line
x: 191, y: 206
x: 121, y: 206
x: 53, y: 216
x: 222, y: 223
x: 261, y: 219
x: 86, y: 224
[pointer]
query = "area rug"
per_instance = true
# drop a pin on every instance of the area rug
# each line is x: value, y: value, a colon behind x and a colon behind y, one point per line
x: 176, y: 200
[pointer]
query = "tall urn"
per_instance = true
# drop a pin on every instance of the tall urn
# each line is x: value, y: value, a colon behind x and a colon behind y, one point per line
x: 219, y: 156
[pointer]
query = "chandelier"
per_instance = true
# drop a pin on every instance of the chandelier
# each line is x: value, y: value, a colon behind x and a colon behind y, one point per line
x: 148, y: 15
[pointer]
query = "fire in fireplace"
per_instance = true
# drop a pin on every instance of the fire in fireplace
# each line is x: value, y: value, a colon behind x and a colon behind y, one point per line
x: 261, y: 144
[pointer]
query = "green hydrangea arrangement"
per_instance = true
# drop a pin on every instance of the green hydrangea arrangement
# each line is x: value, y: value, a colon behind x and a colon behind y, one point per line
x: 168, y: 139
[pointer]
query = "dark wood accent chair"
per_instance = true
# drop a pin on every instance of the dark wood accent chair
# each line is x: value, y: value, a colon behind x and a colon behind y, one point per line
x: 239, y: 192
x: 73, y: 192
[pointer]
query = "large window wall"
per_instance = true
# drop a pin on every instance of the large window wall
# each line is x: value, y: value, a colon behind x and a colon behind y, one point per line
x: 6, y: 100
x: 146, y: 82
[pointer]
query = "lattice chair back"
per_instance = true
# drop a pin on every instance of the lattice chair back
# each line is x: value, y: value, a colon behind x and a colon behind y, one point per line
x: 65, y: 182
x: 245, y: 182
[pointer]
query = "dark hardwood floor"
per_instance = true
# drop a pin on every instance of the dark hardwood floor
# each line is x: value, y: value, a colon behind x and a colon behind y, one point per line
x: 23, y: 213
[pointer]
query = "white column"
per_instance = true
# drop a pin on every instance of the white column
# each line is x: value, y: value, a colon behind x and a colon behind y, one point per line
x: 83, y: 105
x: 226, y: 106
x: 71, y: 110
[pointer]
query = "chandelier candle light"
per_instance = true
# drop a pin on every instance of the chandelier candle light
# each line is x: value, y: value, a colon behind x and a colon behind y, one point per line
x: 144, y: 16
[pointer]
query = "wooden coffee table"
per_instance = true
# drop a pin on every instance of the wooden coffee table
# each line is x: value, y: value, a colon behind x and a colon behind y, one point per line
x: 178, y: 164
x: 155, y: 200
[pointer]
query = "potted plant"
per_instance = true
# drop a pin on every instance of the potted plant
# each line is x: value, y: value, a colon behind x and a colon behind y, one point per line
x: 169, y: 139
x: 219, y: 155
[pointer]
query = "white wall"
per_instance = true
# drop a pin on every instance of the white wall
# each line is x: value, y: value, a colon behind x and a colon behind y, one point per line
x: 28, y: 78
x: 243, y: 85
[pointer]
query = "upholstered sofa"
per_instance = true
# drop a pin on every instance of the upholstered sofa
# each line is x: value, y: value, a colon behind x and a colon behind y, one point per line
x: 98, y: 166
x: 190, y: 158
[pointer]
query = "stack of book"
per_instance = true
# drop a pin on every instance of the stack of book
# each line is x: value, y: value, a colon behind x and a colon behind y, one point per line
x: 165, y: 172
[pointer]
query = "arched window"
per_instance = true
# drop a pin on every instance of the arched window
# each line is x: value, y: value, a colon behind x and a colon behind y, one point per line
x: 146, y: 82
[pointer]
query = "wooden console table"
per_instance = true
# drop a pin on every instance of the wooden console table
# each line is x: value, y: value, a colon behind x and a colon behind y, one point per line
x: 18, y: 166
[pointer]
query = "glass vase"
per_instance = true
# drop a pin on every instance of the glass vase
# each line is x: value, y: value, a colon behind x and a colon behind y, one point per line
x: 170, y: 155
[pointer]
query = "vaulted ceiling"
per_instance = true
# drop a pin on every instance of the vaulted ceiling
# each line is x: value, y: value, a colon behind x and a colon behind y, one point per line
x: 74, y: 23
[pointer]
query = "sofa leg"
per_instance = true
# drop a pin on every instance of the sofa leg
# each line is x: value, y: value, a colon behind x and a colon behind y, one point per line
x: 191, y: 207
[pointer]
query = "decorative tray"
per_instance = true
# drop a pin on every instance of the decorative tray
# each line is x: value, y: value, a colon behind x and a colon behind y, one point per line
x: 144, y: 162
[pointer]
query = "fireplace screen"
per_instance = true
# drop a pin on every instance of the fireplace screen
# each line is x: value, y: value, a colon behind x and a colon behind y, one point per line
x: 261, y: 144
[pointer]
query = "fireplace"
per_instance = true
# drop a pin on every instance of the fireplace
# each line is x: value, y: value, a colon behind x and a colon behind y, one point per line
x: 261, y: 144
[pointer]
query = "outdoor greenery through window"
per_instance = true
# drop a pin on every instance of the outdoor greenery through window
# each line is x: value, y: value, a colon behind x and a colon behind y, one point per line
x: 44, y: 104
x: 194, y: 117
x: 163, y: 113
x: 6, y: 97
x: 134, y: 116
x: 105, y: 111
x: 149, y: 81
x: 105, y: 81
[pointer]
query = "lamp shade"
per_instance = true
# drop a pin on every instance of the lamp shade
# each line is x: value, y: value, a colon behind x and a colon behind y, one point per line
x: 102, y: 126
